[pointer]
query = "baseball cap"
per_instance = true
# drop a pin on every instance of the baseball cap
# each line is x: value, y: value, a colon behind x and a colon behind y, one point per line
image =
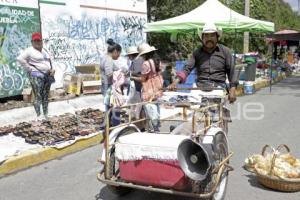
x: 36, y: 36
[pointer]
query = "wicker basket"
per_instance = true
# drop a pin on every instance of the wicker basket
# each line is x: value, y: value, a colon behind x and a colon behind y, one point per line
x: 276, y: 183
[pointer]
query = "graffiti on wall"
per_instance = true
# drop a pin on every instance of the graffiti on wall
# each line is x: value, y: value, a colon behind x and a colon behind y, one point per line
x: 73, y: 42
x: 15, y: 30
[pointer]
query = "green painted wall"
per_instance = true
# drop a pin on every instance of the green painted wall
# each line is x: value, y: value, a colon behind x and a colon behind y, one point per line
x: 16, y: 27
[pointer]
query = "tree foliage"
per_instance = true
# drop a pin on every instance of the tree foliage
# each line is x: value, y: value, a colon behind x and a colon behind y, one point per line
x: 276, y: 11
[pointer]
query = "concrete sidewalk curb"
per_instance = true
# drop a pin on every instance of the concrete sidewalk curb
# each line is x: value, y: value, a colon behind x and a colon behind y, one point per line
x: 30, y: 158
x: 35, y: 157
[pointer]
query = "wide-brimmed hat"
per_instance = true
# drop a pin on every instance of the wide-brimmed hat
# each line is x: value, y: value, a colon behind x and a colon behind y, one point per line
x: 210, y: 27
x: 132, y: 50
x: 145, y: 48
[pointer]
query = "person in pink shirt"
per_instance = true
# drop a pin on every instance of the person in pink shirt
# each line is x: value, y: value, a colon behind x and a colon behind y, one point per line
x: 152, y: 82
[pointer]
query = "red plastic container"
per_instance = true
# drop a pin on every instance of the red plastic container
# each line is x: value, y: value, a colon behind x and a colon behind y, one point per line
x: 165, y: 174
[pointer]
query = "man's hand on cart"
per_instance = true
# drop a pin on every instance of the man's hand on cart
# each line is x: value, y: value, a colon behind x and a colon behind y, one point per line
x: 173, y: 85
x: 232, y: 95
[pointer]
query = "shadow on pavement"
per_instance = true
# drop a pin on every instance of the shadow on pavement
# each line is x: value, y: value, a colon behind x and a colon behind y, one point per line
x: 106, y: 194
x: 292, y: 83
x: 253, y: 182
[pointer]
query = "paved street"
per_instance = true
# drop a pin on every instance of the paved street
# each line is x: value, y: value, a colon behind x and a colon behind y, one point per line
x: 74, y: 177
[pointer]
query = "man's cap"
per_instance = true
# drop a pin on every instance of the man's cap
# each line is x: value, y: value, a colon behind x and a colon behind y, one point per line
x: 36, y: 36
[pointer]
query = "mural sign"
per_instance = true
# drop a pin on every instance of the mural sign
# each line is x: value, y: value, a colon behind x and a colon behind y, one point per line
x: 18, y: 19
x: 75, y: 32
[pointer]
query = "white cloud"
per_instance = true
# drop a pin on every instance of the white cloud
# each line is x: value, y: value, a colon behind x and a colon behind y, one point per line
x: 293, y: 3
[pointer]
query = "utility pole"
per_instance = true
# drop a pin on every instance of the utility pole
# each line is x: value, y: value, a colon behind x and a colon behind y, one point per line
x: 246, y: 34
x: 298, y: 7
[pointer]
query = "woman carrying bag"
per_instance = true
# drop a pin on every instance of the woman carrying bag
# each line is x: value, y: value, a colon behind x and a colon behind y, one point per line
x: 37, y: 63
x: 152, y: 82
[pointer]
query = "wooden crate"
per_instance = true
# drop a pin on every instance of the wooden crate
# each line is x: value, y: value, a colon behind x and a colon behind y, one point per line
x: 87, y: 69
x: 27, y: 95
x: 91, y: 87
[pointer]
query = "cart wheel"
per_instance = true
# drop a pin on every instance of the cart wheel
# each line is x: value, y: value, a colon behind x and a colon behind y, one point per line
x: 225, y: 126
x: 118, y: 190
x: 221, y: 149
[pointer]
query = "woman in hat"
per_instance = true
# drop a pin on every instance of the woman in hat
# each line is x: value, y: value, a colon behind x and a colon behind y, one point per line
x: 152, y: 82
x: 135, y: 65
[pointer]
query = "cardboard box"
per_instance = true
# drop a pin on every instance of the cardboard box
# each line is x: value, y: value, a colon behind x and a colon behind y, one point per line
x: 87, y: 69
x: 75, y: 89
x: 89, y: 77
x: 27, y: 95
x: 91, y: 87
x: 72, y: 84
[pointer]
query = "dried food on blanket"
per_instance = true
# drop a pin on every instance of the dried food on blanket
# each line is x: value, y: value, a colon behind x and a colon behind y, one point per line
x: 6, y: 130
x: 17, y: 133
x: 58, y: 128
x: 31, y: 140
x: 85, y: 132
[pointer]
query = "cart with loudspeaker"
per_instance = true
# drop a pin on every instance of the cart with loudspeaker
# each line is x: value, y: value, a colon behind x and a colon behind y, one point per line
x: 190, y: 160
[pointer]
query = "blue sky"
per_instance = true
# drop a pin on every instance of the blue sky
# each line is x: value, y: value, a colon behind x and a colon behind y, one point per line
x: 293, y: 3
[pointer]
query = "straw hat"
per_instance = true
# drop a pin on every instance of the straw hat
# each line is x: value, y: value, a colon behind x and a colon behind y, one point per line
x: 145, y: 48
x: 132, y: 50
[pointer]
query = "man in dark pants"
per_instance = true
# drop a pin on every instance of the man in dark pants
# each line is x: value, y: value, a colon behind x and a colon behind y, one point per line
x: 213, y: 63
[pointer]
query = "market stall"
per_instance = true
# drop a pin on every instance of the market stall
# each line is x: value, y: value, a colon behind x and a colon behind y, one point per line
x: 283, y: 58
x: 223, y: 17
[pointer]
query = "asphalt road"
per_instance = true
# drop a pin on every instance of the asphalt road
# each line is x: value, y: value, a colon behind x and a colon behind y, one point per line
x: 276, y: 120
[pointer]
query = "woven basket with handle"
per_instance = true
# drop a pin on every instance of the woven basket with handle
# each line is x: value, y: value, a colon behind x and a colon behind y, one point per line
x: 274, y: 182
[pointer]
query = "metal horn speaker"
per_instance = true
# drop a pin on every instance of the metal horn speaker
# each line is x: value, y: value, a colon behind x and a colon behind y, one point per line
x: 194, y: 160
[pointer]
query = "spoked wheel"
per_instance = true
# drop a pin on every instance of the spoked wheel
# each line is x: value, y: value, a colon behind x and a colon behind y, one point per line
x: 222, y: 152
x: 221, y: 149
x: 225, y: 126
x: 226, y: 119
x: 114, y: 166
x: 117, y: 190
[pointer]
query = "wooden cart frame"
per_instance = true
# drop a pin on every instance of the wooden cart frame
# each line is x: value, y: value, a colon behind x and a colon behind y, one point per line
x: 218, y: 171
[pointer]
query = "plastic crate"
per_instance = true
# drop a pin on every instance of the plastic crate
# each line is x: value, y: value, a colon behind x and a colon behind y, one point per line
x: 179, y: 65
x: 191, y: 77
x: 242, y: 75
